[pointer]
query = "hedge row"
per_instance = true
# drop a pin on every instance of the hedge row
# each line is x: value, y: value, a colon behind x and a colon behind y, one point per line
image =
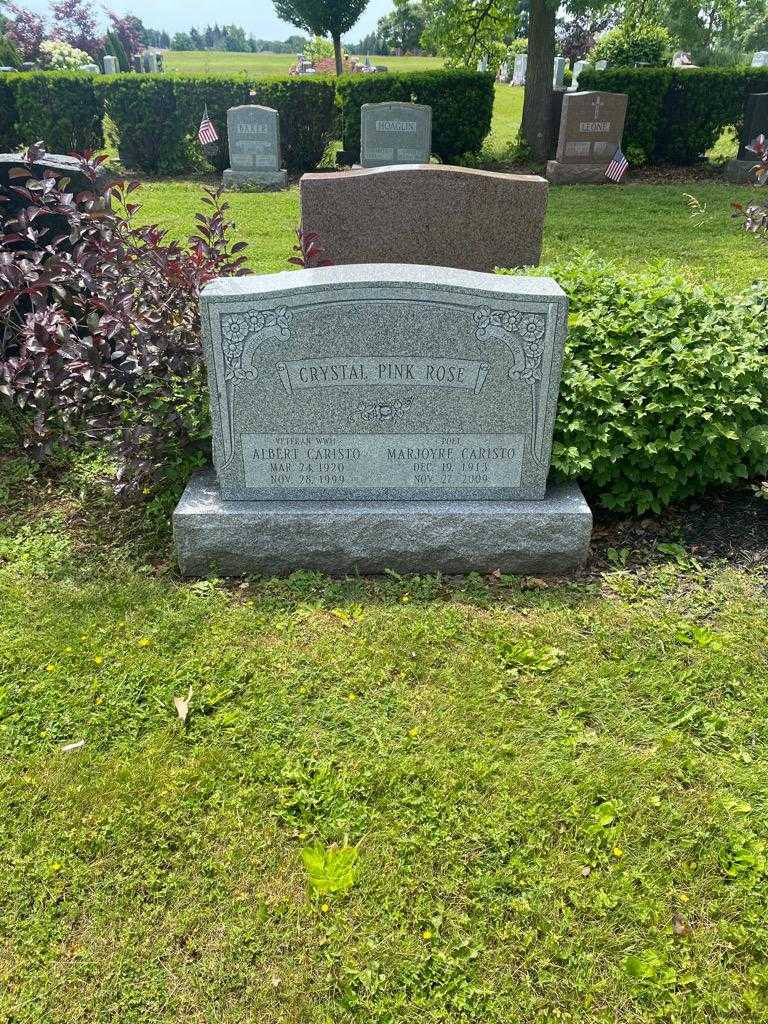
x: 676, y: 114
x: 153, y: 119
x: 60, y: 107
x: 461, y: 101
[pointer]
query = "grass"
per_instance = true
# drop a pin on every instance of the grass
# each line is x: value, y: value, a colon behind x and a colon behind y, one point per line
x: 551, y: 800
x: 633, y: 224
x: 211, y: 62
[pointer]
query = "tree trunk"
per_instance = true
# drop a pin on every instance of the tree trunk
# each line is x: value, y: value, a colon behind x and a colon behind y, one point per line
x: 537, y: 104
x: 337, y: 53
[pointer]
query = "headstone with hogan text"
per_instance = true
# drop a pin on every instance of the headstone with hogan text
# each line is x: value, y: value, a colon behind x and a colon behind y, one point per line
x: 591, y: 129
x: 382, y: 417
x: 254, y: 149
x: 395, y: 133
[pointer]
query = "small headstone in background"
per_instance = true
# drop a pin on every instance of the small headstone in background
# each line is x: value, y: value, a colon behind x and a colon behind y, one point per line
x: 151, y: 63
x: 136, y: 63
x: 601, y: 65
x: 520, y: 68
x: 395, y: 133
x: 4, y: 69
x: 111, y: 64
x: 559, y: 72
x: 30, y: 65
x: 591, y: 129
x: 456, y: 216
x: 92, y: 69
x: 504, y: 72
x: 755, y: 123
x: 382, y: 417
x: 760, y: 59
x: 482, y: 64
x: 578, y: 67
x: 254, y: 149
x: 681, y: 59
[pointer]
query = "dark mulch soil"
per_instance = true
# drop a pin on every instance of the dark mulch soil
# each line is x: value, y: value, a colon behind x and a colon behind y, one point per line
x: 725, y: 525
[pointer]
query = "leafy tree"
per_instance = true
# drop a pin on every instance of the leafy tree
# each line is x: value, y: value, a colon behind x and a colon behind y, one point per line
x: 323, y: 18
x: 631, y: 44
x: 9, y: 55
x: 182, y: 41
x: 463, y: 31
x: 26, y: 30
x: 402, y: 28
x: 130, y: 31
x: 75, y: 23
x: 113, y: 45
x: 576, y: 37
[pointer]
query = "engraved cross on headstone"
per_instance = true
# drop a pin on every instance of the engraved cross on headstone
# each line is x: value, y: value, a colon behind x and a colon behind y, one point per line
x: 597, y: 104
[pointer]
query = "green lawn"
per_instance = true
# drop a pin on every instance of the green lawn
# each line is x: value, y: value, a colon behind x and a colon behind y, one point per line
x: 556, y: 794
x: 635, y: 224
x: 211, y: 62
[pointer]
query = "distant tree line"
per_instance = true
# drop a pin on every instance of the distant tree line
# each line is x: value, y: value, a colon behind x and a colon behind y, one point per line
x: 231, y: 38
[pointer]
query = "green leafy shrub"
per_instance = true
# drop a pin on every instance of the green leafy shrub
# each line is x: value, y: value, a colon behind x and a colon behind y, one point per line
x: 675, y: 114
x: 631, y: 44
x: 154, y: 118
x: 665, y: 385
x: 8, y: 138
x: 61, y: 107
x: 461, y: 101
x: 9, y: 55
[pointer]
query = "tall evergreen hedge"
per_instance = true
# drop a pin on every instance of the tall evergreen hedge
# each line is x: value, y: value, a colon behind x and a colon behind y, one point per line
x: 60, y: 107
x: 676, y: 114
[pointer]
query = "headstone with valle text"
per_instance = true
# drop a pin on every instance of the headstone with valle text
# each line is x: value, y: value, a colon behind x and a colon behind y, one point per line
x: 741, y: 169
x: 591, y: 129
x: 519, y: 69
x: 254, y: 149
x: 395, y: 133
x: 382, y: 417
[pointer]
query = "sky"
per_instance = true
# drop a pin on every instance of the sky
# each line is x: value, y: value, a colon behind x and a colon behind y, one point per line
x: 256, y: 16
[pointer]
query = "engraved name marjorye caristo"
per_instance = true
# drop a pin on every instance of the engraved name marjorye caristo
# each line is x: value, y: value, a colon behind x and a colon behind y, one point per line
x: 522, y: 335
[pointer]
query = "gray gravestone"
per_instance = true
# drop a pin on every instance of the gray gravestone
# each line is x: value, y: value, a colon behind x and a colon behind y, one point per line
x: 558, y: 72
x: 150, y: 62
x: 254, y: 149
x: 382, y: 416
x: 91, y: 69
x: 760, y: 59
x: 111, y: 65
x: 601, y: 65
x: 395, y: 133
x: 591, y: 128
x: 137, y: 63
x: 755, y: 123
x: 578, y: 67
x: 520, y: 68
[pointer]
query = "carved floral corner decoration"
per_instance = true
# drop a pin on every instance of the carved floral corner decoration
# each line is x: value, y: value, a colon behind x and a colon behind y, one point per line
x: 523, y: 334
x: 242, y: 335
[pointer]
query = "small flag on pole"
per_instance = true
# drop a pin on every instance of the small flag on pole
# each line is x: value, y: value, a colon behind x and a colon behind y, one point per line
x: 618, y: 166
x: 206, y: 133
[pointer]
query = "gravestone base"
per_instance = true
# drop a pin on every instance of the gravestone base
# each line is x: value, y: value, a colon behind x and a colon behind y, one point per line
x: 254, y: 181
x: 741, y: 171
x: 235, y: 538
x: 576, y: 174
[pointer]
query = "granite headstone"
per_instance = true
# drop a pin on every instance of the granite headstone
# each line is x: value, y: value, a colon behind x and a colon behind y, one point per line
x: 591, y: 128
x: 578, y: 67
x: 430, y: 214
x: 395, y: 133
x: 519, y: 69
x: 254, y: 149
x: 111, y: 65
x: 558, y: 72
x: 760, y: 59
x: 755, y: 123
x: 382, y: 416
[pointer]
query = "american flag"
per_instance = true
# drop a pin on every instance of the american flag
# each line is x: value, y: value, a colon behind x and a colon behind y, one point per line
x: 206, y: 133
x: 618, y: 166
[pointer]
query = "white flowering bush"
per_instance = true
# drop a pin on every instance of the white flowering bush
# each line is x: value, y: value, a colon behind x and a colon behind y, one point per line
x: 61, y: 56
